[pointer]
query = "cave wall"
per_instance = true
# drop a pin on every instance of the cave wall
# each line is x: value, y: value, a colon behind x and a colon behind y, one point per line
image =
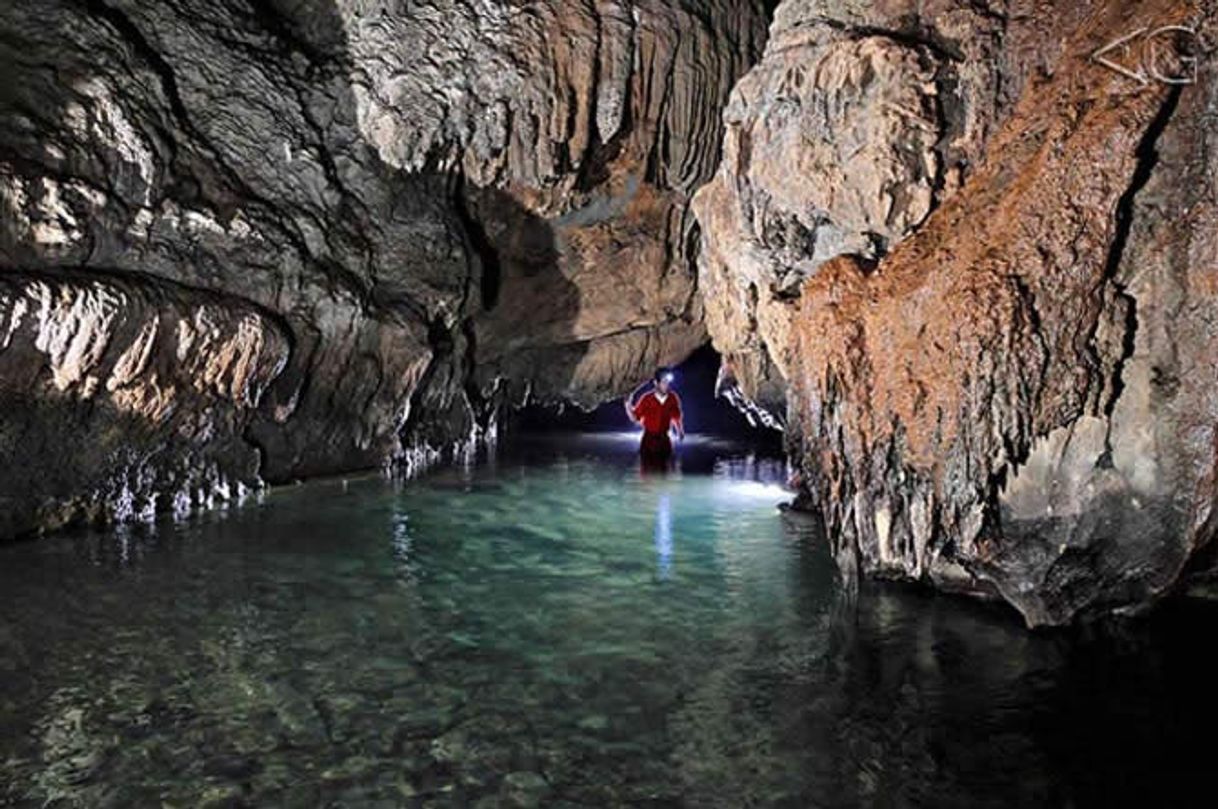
x: 973, y: 269
x: 965, y: 265
x: 253, y: 240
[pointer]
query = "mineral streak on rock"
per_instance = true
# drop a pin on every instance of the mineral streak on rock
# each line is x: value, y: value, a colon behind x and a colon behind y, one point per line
x: 123, y: 396
x: 443, y: 207
x: 999, y: 360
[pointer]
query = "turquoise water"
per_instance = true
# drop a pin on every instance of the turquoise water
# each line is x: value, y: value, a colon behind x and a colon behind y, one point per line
x: 552, y: 628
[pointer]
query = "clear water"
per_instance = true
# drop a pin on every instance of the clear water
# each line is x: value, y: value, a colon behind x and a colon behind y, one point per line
x: 554, y: 629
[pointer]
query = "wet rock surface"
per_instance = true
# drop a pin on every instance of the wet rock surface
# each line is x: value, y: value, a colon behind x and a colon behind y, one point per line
x: 130, y: 397
x: 998, y: 362
x: 440, y: 207
x: 965, y: 265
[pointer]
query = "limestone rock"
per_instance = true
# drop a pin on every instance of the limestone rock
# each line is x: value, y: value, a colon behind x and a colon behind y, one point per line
x: 122, y: 397
x: 858, y: 121
x: 1011, y: 396
x: 442, y: 206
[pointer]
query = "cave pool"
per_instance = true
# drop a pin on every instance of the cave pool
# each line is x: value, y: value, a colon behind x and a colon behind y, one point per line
x: 549, y: 627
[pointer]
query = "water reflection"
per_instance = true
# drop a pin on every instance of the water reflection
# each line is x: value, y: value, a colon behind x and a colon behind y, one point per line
x: 663, y: 537
x: 523, y: 635
x: 402, y: 542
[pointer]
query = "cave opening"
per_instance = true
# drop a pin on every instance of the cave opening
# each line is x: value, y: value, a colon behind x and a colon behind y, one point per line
x: 706, y: 412
x: 719, y: 439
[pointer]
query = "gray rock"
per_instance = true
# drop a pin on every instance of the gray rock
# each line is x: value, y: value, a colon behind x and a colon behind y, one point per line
x: 434, y: 209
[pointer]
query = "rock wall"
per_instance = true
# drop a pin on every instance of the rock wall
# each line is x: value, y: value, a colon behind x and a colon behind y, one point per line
x: 976, y: 268
x: 429, y: 209
x: 966, y: 265
x: 129, y: 397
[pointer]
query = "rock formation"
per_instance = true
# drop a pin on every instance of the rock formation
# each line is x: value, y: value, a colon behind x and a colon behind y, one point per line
x: 974, y: 269
x: 967, y: 265
x: 171, y: 377
x: 265, y: 239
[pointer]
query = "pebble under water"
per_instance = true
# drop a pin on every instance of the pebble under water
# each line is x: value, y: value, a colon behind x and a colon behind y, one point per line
x: 551, y: 628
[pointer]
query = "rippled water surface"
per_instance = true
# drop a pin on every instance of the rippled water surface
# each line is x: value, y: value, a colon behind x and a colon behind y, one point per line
x: 554, y: 629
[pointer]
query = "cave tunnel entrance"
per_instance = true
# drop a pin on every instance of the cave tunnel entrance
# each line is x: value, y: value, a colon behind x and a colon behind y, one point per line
x: 705, y: 413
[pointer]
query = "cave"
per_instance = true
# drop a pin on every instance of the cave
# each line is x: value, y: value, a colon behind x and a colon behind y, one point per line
x: 607, y: 402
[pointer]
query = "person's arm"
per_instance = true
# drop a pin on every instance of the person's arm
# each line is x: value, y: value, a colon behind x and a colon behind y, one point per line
x: 679, y: 421
x: 630, y: 407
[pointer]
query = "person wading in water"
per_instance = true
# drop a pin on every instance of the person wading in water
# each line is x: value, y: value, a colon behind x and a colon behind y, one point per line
x: 657, y: 413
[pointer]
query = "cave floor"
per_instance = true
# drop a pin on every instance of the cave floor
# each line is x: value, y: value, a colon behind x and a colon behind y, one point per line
x: 550, y: 627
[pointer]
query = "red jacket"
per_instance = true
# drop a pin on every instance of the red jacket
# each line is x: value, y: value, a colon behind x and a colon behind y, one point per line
x: 657, y: 417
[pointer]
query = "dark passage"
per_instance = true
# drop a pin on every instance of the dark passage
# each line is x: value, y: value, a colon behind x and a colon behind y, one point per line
x: 705, y: 413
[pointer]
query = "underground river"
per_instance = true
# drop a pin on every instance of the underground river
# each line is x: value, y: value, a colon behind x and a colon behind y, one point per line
x: 549, y: 627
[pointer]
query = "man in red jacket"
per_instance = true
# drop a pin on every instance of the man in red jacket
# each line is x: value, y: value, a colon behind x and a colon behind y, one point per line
x: 657, y: 413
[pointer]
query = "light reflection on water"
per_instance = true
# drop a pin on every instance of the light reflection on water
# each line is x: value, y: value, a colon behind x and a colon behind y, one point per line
x: 553, y: 628
x: 664, y: 537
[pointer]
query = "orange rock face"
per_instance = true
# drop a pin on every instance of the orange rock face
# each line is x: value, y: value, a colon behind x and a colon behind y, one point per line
x: 999, y: 404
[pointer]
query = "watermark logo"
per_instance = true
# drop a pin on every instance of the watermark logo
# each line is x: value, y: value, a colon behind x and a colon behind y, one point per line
x: 1165, y: 55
